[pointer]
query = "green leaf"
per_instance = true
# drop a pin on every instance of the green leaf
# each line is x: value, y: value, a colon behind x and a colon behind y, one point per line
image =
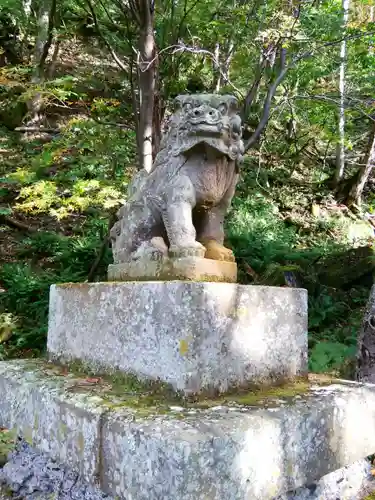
x: 5, y: 211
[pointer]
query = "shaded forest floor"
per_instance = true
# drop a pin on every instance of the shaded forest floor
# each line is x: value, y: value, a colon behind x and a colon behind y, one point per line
x: 59, y: 191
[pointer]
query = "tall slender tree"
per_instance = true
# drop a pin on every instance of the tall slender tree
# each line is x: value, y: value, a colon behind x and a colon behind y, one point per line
x: 340, y: 149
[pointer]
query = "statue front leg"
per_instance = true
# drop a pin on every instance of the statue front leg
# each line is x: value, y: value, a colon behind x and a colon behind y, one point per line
x: 178, y: 220
x: 210, y: 226
x: 211, y: 234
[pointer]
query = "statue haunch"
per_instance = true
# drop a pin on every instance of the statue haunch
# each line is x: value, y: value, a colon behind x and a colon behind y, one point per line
x: 178, y: 208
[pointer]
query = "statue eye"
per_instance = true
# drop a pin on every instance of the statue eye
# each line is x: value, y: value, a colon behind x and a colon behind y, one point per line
x: 222, y: 108
x: 187, y: 106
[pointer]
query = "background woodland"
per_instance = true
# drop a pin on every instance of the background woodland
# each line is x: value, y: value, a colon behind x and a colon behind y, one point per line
x: 85, y: 91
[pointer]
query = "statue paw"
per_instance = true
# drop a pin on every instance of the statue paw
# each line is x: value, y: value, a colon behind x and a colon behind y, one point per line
x: 155, y: 249
x: 194, y: 249
x: 216, y: 251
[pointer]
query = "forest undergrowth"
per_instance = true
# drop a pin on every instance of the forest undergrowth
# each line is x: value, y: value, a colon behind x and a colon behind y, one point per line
x: 58, y: 197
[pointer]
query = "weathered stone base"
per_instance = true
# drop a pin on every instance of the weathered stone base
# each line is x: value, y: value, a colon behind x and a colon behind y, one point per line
x: 196, y: 336
x: 167, y: 269
x: 228, y: 451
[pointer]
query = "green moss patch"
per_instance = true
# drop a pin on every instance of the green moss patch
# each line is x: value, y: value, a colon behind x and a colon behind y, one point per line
x: 7, y: 444
x: 145, y: 397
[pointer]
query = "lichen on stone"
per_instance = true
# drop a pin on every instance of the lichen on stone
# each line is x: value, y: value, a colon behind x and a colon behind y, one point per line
x: 145, y: 398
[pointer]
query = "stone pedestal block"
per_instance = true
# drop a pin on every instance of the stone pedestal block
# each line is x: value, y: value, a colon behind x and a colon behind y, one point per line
x: 226, y: 450
x: 184, y: 269
x: 57, y: 422
x: 195, y: 336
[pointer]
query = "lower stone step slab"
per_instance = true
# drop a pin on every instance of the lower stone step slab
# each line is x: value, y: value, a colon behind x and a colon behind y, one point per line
x: 221, y: 449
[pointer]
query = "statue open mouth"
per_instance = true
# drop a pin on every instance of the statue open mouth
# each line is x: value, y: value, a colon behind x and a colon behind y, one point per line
x: 208, y: 129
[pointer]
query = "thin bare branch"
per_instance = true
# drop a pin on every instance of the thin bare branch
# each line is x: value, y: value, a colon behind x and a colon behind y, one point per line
x: 186, y: 13
x: 266, y: 109
x: 44, y: 130
x: 17, y: 224
x: 175, y: 49
x: 253, y: 89
x: 334, y: 101
x: 116, y: 58
x: 124, y: 126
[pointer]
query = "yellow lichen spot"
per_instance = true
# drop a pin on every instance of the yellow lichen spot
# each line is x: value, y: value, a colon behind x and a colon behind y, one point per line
x: 239, y: 312
x: 81, y: 443
x: 273, y: 490
x: 289, y: 469
x: 184, y: 347
x: 28, y: 435
x: 275, y: 472
x: 63, y: 429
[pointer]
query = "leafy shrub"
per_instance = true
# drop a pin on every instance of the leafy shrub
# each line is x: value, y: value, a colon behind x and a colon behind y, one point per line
x: 330, y: 356
x: 65, y: 259
x: 269, y: 249
x: 85, y: 170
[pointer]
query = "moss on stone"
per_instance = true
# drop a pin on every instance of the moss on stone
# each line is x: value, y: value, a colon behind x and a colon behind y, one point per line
x: 36, y: 422
x: 370, y: 497
x: 6, y: 492
x: 147, y: 398
x: 121, y: 383
x: 7, y: 444
x: 63, y: 428
x: 28, y: 435
x: 258, y: 396
x: 82, y: 285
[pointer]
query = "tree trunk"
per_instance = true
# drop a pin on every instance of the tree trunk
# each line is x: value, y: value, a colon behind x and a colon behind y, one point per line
x: 46, y: 17
x: 25, y: 27
x: 365, y: 367
x: 253, y: 90
x: 372, y: 18
x: 147, y: 70
x: 216, y: 84
x: 157, y: 122
x: 44, y: 37
x: 221, y: 64
x: 340, y: 149
x: 364, y: 172
x: 52, y: 65
x: 26, y: 4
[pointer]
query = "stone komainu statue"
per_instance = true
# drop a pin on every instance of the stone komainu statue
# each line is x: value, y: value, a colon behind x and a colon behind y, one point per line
x: 178, y: 208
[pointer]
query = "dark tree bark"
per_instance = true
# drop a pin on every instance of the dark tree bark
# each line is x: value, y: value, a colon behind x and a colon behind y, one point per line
x: 365, y: 369
x: 355, y: 194
x: 143, y: 13
x: 142, y: 71
x: 55, y: 53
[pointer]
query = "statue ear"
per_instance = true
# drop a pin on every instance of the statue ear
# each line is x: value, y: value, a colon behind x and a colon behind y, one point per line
x: 236, y: 124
